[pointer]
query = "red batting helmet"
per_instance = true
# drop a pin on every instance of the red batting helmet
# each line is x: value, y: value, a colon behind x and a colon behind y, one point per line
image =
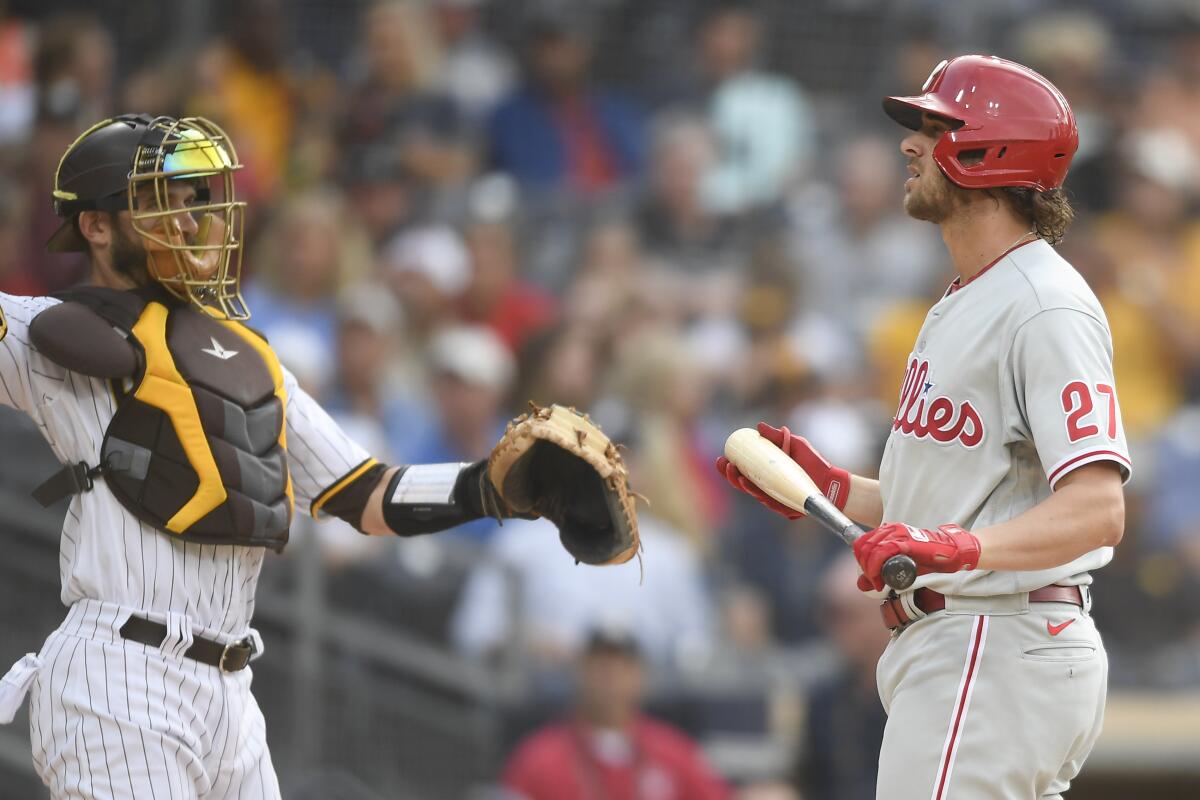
x: 1012, y: 116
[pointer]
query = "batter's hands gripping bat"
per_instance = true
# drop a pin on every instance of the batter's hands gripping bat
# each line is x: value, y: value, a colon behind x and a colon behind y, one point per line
x: 773, y: 471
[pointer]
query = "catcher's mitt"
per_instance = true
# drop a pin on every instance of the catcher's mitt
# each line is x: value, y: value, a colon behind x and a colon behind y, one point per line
x: 556, y: 463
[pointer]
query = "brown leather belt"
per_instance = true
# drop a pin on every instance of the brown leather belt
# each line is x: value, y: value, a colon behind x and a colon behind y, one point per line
x: 228, y: 657
x: 929, y: 601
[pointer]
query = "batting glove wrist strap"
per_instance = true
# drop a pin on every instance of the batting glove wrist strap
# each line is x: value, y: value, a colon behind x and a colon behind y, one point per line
x: 947, y: 548
x: 833, y: 482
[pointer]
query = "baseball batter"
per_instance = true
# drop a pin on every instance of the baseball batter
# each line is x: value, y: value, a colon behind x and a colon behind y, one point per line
x: 187, y: 446
x: 1002, y: 477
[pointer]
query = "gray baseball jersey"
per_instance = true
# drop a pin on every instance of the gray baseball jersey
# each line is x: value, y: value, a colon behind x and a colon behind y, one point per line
x: 1009, y: 388
x: 113, y: 565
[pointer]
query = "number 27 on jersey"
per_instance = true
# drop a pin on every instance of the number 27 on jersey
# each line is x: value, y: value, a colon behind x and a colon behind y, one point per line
x: 1079, y: 403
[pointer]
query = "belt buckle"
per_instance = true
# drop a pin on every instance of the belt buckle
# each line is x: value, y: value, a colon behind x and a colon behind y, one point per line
x: 228, y: 651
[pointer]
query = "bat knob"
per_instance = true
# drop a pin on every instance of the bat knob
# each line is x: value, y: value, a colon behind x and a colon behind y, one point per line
x: 899, y: 572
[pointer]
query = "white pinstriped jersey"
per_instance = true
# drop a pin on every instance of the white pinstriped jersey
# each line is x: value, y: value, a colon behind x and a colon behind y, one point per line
x: 106, y: 553
x: 1009, y: 388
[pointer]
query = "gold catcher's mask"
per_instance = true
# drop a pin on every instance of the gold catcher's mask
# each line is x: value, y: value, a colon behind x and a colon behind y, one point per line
x: 133, y: 163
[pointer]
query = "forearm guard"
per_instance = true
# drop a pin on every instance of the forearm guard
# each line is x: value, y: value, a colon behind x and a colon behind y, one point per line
x: 425, y: 498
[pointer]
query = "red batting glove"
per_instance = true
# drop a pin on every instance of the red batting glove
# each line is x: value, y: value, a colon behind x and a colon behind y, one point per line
x: 834, y: 483
x: 949, y: 548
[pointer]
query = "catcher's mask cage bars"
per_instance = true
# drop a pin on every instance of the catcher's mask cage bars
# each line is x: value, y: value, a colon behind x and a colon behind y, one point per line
x: 207, y: 268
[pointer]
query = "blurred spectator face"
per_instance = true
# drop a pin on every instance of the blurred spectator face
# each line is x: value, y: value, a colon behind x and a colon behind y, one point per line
x: 611, y: 685
x: 466, y: 407
x: 310, y: 254
x: 380, y: 206
x: 456, y: 18
x: 256, y: 29
x: 368, y: 321
x: 472, y: 374
x: 611, y: 249
x: 1163, y: 166
x: 428, y: 269
x: 867, y: 178
x: 658, y: 373
x: 851, y: 618
x: 913, y: 60
x: 362, y: 353
x: 571, y: 370
x: 493, y: 255
x: 560, y: 366
x: 13, y: 230
x: 93, y: 66
x: 559, y: 61
x: 399, y: 45
x: 1152, y: 203
x: 728, y: 42
x: 747, y: 619
x: 74, y: 66
x: 683, y: 153
x: 1070, y: 48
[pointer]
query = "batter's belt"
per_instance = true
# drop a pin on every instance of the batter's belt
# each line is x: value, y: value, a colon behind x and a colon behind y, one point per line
x: 896, y: 618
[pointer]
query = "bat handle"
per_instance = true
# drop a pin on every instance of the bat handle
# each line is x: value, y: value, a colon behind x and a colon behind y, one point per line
x: 899, y: 572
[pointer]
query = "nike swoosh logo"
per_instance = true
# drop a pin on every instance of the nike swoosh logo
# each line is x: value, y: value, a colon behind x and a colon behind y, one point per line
x: 1055, y: 630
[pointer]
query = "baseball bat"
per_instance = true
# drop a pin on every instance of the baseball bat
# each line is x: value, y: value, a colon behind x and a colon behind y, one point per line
x: 774, y: 471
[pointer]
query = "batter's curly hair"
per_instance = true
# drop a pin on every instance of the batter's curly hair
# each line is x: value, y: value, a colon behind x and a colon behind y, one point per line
x: 1050, y: 212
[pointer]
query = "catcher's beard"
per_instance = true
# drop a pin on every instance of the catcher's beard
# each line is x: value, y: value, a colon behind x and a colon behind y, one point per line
x: 129, y: 256
x: 934, y: 199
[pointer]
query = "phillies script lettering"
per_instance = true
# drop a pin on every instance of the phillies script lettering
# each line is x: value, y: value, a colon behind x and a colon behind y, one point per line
x: 922, y: 416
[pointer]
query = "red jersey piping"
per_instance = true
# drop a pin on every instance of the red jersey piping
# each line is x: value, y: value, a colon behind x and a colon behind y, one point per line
x: 957, y: 283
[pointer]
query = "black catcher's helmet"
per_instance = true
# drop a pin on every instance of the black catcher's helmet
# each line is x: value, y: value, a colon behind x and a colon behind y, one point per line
x: 93, y: 175
x: 126, y: 163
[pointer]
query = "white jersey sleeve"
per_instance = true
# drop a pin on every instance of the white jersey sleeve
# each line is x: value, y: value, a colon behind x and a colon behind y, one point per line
x: 320, y: 454
x: 1061, y: 367
x: 21, y: 386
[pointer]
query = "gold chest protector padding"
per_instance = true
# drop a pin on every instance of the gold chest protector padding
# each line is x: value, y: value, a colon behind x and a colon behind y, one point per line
x: 165, y: 389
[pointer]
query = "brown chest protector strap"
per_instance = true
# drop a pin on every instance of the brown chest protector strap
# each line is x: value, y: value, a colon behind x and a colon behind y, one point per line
x: 71, y: 479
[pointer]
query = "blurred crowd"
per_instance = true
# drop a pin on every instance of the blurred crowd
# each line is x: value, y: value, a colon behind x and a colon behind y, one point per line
x: 683, y: 217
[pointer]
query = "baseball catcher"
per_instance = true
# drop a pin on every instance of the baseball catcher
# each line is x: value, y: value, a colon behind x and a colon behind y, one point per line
x: 186, y: 446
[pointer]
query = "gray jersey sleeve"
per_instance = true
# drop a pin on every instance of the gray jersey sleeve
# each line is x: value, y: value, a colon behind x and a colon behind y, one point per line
x: 1064, y: 392
x: 319, y: 452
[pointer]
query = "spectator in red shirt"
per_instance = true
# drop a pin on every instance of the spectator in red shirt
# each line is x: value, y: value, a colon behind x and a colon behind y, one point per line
x: 608, y: 750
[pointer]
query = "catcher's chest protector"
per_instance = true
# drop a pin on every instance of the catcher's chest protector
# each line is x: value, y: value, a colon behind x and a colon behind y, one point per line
x: 197, y: 446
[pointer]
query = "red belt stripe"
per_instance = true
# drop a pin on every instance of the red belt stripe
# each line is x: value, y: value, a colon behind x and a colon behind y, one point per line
x: 966, y: 688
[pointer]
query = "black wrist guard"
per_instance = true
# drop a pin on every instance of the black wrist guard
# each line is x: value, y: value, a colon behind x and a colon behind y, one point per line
x: 425, y: 498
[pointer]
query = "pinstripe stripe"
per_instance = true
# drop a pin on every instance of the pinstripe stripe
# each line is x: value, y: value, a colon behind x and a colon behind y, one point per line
x: 109, y: 709
x: 230, y: 737
x: 166, y: 727
x: 87, y: 673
